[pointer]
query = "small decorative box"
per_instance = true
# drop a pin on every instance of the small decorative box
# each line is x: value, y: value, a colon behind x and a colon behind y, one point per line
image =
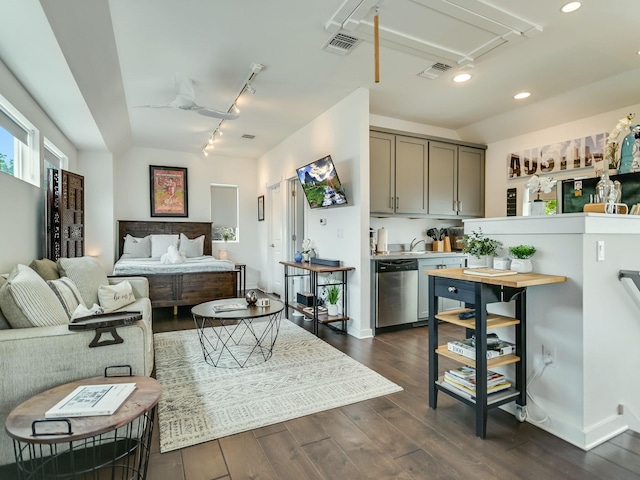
x: 501, y: 263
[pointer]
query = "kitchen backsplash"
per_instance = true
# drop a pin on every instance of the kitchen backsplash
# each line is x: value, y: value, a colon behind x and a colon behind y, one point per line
x: 400, y: 231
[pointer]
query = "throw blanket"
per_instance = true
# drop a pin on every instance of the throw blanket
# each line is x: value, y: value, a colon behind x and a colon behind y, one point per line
x: 150, y: 266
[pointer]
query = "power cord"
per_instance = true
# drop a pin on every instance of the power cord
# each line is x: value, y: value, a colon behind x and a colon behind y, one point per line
x: 535, y: 376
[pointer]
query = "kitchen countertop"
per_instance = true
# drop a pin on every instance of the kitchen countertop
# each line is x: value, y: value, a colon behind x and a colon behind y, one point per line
x: 402, y: 255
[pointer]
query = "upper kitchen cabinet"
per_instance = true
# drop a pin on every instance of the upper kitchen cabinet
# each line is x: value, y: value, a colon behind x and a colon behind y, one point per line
x: 456, y: 180
x: 399, y: 169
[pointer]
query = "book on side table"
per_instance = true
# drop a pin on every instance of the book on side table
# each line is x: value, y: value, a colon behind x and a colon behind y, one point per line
x: 92, y: 400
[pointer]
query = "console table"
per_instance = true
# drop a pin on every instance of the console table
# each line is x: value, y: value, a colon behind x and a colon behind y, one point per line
x: 311, y: 270
x: 479, y: 291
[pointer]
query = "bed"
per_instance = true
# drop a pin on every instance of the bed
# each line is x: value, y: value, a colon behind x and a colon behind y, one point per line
x: 183, y: 285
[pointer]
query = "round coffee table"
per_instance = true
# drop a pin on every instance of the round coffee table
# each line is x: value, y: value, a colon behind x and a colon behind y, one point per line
x: 241, y: 337
x: 107, y: 446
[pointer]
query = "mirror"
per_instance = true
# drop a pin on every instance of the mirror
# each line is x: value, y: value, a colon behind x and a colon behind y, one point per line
x: 224, y: 213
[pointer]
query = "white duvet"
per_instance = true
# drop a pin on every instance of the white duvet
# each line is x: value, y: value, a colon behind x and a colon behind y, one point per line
x: 145, y: 266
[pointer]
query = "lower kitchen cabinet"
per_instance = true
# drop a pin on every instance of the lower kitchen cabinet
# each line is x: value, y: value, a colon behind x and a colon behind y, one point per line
x: 426, y: 264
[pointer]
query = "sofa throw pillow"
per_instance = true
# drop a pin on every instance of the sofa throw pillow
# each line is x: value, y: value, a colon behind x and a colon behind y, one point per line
x: 27, y: 301
x: 67, y: 293
x: 160, y: 244
x: 191, y: 248
x: 3, y: 321
x: 113, y: 297
x: 86, y: 273
x: 136, y: 247
x: 47, y: 269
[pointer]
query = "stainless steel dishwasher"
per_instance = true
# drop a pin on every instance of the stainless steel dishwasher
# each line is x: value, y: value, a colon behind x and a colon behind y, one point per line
x: 396, y: 292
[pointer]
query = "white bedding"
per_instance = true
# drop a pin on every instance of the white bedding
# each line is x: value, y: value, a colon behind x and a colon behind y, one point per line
x: 146, y: 266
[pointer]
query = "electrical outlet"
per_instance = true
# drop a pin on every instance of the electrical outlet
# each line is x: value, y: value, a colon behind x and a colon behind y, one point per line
x: 600, y: 251
x: 549, y: 355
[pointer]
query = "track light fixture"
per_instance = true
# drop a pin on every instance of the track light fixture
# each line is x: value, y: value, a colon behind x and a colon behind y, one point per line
x: 256, y: 68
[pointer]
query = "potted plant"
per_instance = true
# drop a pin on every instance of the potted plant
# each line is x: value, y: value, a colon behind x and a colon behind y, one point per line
x: 480, y: 248
x: 521, y: 258
x: 306, y: 249
x: 228, y: 234
x: 333, y: 293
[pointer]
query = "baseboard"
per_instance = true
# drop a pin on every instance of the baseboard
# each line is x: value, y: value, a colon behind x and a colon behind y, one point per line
x: 630, y: 417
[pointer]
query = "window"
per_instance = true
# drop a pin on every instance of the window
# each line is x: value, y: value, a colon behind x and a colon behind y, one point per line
x: 18, y: 145
x: 224, y: 213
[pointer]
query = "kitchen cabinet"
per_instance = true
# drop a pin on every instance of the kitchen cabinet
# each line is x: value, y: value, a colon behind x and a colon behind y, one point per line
x: 398, y: 178
x: 426, y: 264
x: 456, y: 180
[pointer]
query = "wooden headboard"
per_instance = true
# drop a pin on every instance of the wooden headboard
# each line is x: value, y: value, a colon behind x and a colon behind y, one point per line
x: 141, y: 228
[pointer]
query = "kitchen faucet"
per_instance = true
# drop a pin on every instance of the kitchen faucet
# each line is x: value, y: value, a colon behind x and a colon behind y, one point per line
x: 415, y: 244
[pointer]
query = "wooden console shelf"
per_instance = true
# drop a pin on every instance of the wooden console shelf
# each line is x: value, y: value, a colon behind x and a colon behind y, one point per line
x: 478, y: 291
x: 312, y: 270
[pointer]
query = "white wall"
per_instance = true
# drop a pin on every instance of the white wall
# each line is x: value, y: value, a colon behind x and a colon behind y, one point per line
x: 23, y: 205
x: 131, y: 195
x: 343, y: 133
x: 497, y: 154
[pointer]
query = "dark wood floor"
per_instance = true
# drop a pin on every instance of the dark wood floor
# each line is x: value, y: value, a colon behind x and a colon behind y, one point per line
x: 393, y: 437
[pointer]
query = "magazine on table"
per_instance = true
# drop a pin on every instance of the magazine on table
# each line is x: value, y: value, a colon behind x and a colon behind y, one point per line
x: 467, y: 349
x: 92, y: 400
x: 229, y: 307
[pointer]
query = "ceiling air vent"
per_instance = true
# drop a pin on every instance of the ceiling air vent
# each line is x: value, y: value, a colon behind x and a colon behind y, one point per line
x: 434, y: 71
x: 341, y: 44
x: 248, y: 136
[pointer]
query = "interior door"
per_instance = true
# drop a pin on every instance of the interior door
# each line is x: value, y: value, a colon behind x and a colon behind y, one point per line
x: 275, y: 208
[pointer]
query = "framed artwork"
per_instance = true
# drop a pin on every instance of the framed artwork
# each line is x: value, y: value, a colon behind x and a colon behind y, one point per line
x: 168, y: 187
x: 261, y: 208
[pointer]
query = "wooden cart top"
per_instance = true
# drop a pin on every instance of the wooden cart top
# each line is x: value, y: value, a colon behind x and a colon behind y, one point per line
x: 518, y: 280
x: 316, y: 267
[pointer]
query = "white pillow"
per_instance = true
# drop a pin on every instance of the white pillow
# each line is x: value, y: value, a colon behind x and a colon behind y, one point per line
x: 113, y: 297
x: 137, y: 247
x: 67, y: 293
x: 160, y: 244
x: 27, y: 301
x: 191, y: 248
x: 86, y: 273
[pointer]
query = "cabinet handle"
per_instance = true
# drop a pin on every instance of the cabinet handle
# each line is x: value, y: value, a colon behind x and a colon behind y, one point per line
x: 452, y: 290
x: 459, y: 206
x: 397, y: 202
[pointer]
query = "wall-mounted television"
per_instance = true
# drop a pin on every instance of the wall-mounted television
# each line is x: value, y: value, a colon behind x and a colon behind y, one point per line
x: 321, y: 184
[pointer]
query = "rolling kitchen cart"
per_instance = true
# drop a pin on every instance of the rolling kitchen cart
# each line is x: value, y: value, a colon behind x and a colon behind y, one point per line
x: 479, y: 291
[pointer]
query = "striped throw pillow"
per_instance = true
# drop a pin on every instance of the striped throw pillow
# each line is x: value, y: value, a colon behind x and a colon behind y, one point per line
x: 67, y: 293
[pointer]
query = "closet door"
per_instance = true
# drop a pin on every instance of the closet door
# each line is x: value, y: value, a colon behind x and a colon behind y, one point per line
x: 65, y: 211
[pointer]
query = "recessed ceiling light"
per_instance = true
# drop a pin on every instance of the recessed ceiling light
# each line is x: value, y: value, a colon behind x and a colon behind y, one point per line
x: 462, y: 77
x: 570, y: 7
x: 521, y: 95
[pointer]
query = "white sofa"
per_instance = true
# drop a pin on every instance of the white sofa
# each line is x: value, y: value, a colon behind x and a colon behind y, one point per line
x: 36, y: 359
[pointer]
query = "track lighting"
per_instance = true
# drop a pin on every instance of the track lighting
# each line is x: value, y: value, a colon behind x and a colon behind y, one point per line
x: 247, y: 87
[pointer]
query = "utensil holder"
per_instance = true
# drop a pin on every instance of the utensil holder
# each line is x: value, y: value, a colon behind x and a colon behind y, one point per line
x: 447, y: 244
x: 438, y: 246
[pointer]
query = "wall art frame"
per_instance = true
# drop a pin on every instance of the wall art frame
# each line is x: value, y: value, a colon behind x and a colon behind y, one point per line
x: 261, y: 208
x: 168, y: 191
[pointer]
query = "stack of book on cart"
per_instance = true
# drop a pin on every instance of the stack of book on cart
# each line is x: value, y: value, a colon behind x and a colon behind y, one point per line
x: 463, y: 380
x: 467, y: 348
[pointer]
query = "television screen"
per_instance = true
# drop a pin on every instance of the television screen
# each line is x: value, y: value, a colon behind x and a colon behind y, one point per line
x: 321, y: 184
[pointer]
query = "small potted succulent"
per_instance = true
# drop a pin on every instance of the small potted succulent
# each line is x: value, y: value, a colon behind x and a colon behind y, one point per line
x: 480, y: 248
x: 307, y: 248
x: 521, y: 258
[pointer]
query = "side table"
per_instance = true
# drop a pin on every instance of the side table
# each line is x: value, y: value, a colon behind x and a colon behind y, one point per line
x: 109, y: 446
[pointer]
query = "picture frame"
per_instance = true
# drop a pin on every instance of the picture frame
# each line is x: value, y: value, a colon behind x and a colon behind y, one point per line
x: 261, y: 208
x: 168, y: 191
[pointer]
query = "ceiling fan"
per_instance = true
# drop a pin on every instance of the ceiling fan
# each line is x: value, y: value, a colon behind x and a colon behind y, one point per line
x: 185, y: 100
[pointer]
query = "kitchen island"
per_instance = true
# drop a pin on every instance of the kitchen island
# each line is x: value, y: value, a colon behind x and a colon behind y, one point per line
x: 590, y: 324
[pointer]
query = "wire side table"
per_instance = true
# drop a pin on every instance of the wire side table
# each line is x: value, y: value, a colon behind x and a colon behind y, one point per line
x: 83, y: 448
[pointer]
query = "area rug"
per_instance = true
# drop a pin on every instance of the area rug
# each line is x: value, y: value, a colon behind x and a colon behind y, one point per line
x: 305, y: 375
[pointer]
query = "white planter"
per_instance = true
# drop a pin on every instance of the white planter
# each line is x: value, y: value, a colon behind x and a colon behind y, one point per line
x: 483, y: 262
x: 332, y: 309
x: 521, y: 265
x: 538, y: 208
